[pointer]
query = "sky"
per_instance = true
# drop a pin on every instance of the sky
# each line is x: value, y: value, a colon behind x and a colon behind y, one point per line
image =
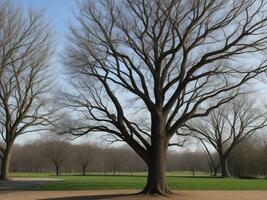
x: 60, y: 14
x: 58, y: 11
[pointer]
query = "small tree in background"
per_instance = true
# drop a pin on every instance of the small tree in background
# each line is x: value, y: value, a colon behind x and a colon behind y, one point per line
x: 57, y: 152
x: 84, y: 155
x: 227, y: 127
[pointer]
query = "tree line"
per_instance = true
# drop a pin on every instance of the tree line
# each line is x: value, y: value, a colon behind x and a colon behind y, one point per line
x: 248, y: 160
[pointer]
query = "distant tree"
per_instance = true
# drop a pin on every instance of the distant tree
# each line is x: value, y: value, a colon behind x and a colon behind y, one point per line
x: 25, y: 48
x: 84, y: 155
x: 28, y: 157
x: 247, y: 160
x: 57, y: 152
x: 115, y: 159
x: 141, y: 69
x: 227, y: 127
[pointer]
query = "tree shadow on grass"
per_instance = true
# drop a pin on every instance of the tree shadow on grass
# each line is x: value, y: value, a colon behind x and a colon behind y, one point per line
x: 20, y: 185
x: 113, y: 196
x: 92, y: 197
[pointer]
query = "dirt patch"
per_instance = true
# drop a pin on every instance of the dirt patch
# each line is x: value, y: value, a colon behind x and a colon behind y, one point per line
x: 128, y: 194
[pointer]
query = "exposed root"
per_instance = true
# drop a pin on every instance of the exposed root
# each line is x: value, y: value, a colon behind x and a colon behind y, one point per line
x: 156, y: 191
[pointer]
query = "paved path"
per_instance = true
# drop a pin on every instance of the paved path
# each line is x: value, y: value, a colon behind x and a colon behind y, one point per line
x: 128, y: 195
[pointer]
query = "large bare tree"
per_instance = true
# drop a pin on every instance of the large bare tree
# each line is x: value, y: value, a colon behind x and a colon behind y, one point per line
x: 25, y: 41
x: 227, y: 127
x: 141, y: 69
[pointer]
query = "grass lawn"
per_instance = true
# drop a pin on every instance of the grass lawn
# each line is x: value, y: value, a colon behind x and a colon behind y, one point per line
x: 95, y: 182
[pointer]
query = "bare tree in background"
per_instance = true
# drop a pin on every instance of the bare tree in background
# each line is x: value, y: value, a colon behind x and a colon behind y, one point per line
x: 85, y: 154
x: 116, y: 160
x: 142, y: 69
x: 57, y: 152
x: 227, y: 127
x: 247, y: 159
x: 25, y: 41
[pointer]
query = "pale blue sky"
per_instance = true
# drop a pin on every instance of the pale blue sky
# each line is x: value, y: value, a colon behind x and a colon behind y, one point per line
x: 59, y: 13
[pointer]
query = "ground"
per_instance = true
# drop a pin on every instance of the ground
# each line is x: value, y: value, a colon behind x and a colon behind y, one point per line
x: 127, y: 194
x: 96, y: 187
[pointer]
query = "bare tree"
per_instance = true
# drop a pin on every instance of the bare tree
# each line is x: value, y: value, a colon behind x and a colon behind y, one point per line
x: 141, y: 69
x: 25, y: 41
x: 247, y: 159
x: 115, y: 160
x: 227, y: 127
x: 84, y: 155
x: 57, y: 152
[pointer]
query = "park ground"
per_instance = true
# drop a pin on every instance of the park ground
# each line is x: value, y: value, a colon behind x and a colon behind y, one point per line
x: 128, y: 195
x: 28, y: 186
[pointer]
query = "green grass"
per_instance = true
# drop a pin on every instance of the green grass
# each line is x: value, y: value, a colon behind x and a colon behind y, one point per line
x: 97, y: 182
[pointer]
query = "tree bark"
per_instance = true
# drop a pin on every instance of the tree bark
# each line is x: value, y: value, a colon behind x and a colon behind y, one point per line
x: 224, y: 167
x: 6, y: 162
x: 156, y: 179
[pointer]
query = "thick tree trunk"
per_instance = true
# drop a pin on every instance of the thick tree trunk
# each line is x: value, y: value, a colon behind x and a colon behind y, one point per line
x: 156, y: 180
x: 6, y: 162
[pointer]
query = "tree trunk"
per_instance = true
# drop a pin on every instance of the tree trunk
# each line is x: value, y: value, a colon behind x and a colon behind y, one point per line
x: 156, y: 180
x: 215, y: 172
x: 57, y: 170
x: 84, y: 170
x: 6, y: 162
x: 193, y: 171
x: 224, y: 168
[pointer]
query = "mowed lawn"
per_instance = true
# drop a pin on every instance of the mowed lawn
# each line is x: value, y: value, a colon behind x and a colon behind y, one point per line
x: 103, y: 182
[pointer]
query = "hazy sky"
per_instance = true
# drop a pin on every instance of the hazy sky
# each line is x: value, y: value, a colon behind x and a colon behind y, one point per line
x: 59, y: 13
